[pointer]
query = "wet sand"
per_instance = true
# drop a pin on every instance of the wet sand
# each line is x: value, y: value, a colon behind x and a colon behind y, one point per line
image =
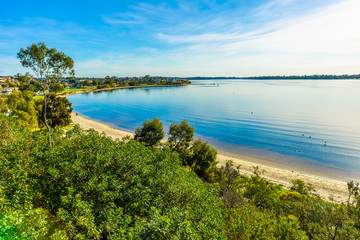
x: 328, y: 186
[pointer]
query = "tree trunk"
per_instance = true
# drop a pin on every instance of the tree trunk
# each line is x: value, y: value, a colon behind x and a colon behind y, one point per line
x: 45, y: 120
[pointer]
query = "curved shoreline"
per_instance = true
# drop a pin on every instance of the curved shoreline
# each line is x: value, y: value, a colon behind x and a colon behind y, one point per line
x: 328, y: 186
x: 114, y: 88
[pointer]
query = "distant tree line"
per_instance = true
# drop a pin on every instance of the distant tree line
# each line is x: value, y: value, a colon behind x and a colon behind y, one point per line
x: 314, y: 77
x: 344, y: 76
x: 110, y: 82
x: 28, y: 82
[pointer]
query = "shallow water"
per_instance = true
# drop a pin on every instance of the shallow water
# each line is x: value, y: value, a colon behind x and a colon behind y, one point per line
x: 282, y: 120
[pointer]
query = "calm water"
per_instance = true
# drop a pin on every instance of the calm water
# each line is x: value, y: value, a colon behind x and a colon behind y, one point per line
x: 265, y: 118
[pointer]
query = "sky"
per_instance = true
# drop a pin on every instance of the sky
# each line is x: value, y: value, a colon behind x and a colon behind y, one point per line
x: 184, y: 38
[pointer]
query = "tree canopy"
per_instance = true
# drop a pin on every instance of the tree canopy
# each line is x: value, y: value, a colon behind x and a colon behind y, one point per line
x: 150, y: 133
x: 202, y: 156
x: 180, y: 135
x: 58, y: 111
x: 22, y: 107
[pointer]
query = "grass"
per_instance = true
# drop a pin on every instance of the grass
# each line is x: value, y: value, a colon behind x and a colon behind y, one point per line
x: 38, y: 97
x: 77, y: 90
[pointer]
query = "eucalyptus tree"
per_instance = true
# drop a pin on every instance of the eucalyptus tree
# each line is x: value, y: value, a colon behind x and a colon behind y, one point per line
x: 49, y: 66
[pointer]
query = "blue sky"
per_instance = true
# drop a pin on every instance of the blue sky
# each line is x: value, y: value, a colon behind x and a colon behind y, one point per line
x: 188, y: 38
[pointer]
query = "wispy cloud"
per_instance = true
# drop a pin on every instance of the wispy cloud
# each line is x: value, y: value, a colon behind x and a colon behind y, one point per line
x: 203, y: 37
x: 140, y: 13
x: 324, y: 39
x: 305, y: 40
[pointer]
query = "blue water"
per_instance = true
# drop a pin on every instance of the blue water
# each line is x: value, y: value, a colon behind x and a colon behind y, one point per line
x: 265, y: 118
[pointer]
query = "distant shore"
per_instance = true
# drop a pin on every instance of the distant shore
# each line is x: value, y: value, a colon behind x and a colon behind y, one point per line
x: 329, y: 186
x: 65, y: 94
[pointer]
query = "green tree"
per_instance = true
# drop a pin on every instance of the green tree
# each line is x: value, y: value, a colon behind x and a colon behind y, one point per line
x: 58, y: 111
x: 58, y: 87
x: 49, y: 66
x: 87, y: 82
x: 151, y: 133
x: 27, y: 87
x: 22, y: 79
x: 95, y: 82
x: 22, y: 107
x: 24, y: 82
x: 180, y: 138
x: 202, y: 156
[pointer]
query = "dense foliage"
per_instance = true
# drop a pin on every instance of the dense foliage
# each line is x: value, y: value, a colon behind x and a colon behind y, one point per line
x: 58, y: 112
x: 150, y: 133
x: 29, y: 112
x: 22, y: 108
x: 180, y: 138
x: 196, y: 154
x: 94, y: 187
x: 88, y: 186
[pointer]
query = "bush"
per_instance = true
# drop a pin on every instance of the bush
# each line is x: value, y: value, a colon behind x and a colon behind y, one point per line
x: 301, y: 187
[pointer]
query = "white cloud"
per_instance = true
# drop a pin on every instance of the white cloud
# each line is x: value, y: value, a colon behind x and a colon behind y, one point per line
x: 325, y: 41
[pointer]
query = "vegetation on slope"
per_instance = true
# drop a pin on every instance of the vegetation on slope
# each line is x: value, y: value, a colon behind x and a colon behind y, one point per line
x: 93, y: 187
x: 88, y: 186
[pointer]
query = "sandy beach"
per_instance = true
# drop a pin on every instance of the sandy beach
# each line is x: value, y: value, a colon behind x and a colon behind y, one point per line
x: 327, y: 186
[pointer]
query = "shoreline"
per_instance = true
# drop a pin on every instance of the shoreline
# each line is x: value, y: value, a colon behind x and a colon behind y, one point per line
x: 115, y: 88
x: 328, y: 186
x: 294, y: 168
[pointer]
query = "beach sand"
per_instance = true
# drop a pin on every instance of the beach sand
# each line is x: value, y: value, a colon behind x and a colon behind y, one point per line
x: 328, y: 186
